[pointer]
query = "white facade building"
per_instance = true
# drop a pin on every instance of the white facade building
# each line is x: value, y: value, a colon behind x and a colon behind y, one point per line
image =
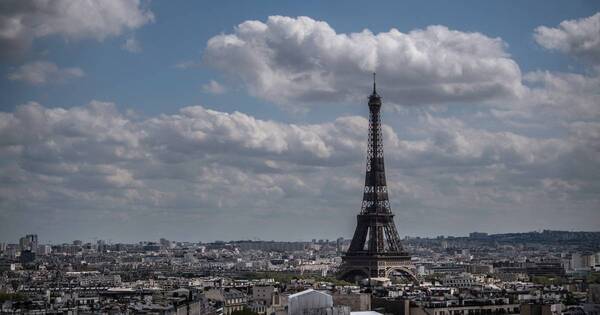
x: 310, y: 299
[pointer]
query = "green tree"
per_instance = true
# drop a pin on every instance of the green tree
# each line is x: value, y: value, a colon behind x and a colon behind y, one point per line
x: 570, y: 299
x: 16, y: 297
x: 244, y: 312
x: 594, y: 277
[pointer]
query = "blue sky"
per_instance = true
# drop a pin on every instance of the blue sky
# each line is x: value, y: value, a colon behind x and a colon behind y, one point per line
x: 149, y: 83
x: 490, y: 115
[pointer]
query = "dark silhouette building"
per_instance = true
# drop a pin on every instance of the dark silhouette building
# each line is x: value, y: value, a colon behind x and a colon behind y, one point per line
x: 375, y: 250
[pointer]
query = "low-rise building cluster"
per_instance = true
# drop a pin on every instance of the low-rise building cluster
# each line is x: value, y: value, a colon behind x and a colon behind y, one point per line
x: 475, y: 275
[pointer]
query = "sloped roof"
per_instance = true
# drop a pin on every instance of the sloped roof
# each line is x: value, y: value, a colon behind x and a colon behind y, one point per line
x: 307, y: 292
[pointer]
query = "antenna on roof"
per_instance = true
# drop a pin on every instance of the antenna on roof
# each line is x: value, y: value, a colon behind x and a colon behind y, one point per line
x: 374, y: 84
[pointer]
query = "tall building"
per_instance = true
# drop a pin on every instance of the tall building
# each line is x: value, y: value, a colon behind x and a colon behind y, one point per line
x: 28, y: 242
x: 165, y: 243
x: 375, y: 250
x: 101, y: 246
x: 576, y: 261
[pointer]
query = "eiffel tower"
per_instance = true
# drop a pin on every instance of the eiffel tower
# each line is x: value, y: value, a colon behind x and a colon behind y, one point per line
x: 375, y: 250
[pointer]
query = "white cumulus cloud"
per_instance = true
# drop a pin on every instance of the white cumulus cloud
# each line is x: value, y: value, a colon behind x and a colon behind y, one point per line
x: 565, y: 95
x: 579, y: 38
x: 213, y: 87
x: 42, y: 72
x: 22, y: 21
x: 301, y: 60
x: 217, y: 168
x: 132, y: 45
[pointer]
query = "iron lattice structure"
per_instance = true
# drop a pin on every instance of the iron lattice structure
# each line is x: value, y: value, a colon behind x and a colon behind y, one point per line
x: 375, y: 246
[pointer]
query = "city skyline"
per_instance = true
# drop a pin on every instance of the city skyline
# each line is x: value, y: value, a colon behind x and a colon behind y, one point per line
x: 316, y: 239
x: 145, y: 120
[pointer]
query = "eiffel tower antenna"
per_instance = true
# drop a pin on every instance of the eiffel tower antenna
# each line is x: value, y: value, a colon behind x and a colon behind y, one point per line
x: 374, y: 84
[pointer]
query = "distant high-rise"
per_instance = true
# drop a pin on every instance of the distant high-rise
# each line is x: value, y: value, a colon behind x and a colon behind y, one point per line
x: 28, y: 242
x: 375, y: 250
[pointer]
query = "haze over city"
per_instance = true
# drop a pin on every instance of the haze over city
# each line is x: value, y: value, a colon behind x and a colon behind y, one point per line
x: 138, y: 120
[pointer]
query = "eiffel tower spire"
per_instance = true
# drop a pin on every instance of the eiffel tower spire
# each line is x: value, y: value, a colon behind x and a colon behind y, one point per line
x: 375, y: 199
x: 374, y: 84
x: 375, y: 238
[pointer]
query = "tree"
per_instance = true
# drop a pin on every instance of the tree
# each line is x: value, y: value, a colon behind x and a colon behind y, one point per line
x: 245, y: 311
x: 570, y: 299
